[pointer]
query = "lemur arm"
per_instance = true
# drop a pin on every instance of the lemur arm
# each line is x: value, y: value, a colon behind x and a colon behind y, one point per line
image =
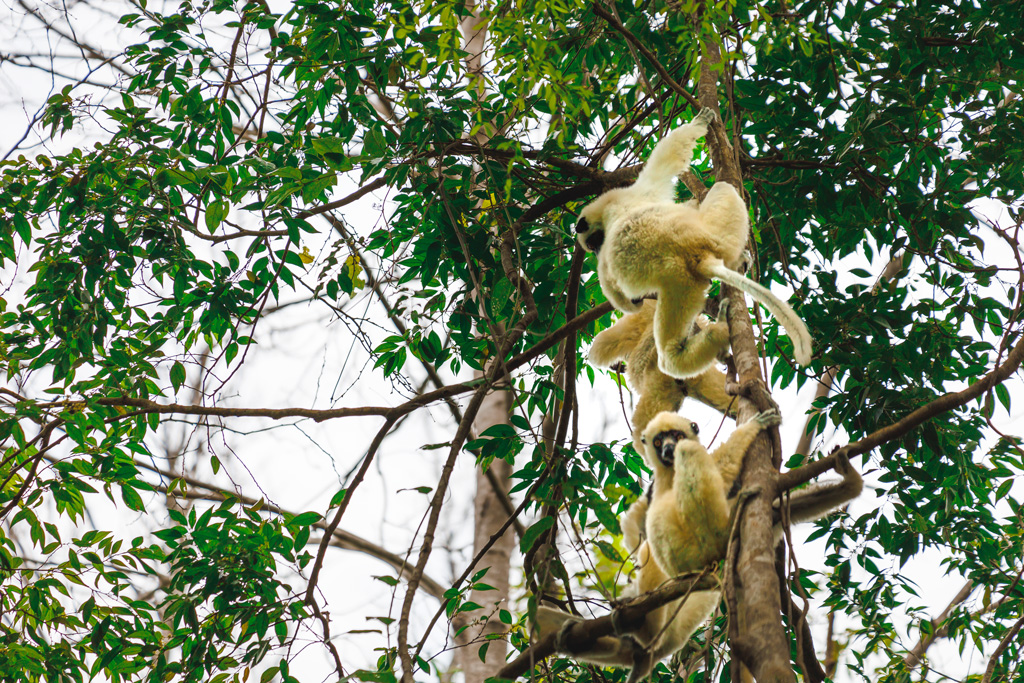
x: 729, y: 455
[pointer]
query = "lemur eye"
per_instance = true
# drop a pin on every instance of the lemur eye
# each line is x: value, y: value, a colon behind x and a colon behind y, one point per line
x: 657, y: 442
x: 693, y: 426
x: 582, y: 225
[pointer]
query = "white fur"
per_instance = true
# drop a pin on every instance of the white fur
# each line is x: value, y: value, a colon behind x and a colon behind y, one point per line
x: 632, y: 339
x: 688, y: 516
x: 687, y: 528
x: 665, y: 630
x: 648, y: 244
x: 689, y: 513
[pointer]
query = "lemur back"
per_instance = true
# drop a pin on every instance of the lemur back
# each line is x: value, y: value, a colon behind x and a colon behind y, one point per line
x: 648, y: 244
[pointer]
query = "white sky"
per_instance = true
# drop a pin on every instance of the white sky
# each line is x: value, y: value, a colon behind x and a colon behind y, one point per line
x: 304, y: 358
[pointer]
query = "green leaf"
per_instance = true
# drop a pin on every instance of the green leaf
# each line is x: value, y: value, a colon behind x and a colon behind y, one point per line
x: 216, y: 212
x: 534, y: 531
x: 373, y: 144
x: 329, y: 145
x: 132, y: 498
x: 305, y: 519
x: 177, y: 375
x: 375, y: 676
x: 1003, y: 394
x: 500, y: 296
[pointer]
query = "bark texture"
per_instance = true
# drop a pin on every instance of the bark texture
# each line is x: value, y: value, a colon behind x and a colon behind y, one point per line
x: 762, y: 644
x: 490, y: 502
x: 489, y: 515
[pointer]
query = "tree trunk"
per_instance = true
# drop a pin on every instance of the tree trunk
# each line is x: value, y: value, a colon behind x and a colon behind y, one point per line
x: 488, y: 516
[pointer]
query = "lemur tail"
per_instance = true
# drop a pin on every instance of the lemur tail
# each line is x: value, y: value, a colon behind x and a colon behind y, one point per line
x: 794, y: 326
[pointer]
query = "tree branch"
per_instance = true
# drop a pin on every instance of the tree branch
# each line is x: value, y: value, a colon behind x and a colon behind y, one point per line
x: 762, y: 644
x: 942, y: 404
x: 333, y: 526
x: 338, y: 203
x: 938, y: 627
x: 1006, y: 640
x: 144, y: 406
x: 585, y: 633
x: 634, y: 41
x: 342, y: 539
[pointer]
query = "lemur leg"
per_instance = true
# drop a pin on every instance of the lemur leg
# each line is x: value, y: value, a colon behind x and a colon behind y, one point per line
x: 709, y: 388
x: 634, y: 526
x: 611, y: 289
x: 672, y: 155
x: 724, y: 208
x: 688, y: 616
x: 658, y: 393
x: 605, y: 651
x: 679, y: 354
x: 729, y: 456
x: 616, y: 342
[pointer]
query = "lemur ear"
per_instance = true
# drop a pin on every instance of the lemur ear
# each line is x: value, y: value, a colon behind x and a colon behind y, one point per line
x: 693, y: 426
x: 643, y: 439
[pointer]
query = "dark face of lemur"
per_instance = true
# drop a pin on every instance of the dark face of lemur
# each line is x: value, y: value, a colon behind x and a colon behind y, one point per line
x: 595, y: 238
x: 664, y: 443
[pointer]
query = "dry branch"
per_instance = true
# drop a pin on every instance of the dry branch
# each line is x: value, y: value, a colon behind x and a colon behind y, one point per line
x: 584, y: 633
x: 942, y: 404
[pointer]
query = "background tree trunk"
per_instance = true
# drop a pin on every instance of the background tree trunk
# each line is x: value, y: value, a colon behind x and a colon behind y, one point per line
x: 489, y: 513
x: 488, y: 516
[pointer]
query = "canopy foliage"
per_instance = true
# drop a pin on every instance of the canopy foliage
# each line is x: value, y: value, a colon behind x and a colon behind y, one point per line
x: 200, y: 179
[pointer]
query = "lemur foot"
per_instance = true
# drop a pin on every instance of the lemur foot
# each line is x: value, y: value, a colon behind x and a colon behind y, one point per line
x: 643, y: 663
x: 768, y: 418
x: 704, y: 117
x: 748, y: 493
x: 723, y: 308
x: 746, y: 259
x: 618, y: 628
x: 718, y: 335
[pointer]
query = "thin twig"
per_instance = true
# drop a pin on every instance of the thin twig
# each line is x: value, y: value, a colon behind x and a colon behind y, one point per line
x: 1006, y: 640
x: 633, y: 40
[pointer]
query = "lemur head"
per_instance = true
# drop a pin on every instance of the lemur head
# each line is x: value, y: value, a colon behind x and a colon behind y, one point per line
x: 591, y: 237
x: 664, y: 432
x: 593, y: 218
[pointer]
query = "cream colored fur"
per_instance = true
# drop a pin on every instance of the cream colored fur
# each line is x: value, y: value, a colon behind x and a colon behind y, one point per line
x: 665, y: 630
x: 703, y: 515
x: 688, y: 516
x: 646, y: 244
x: 687, y: 526
x: 689, y: 512
x: 632, y: 339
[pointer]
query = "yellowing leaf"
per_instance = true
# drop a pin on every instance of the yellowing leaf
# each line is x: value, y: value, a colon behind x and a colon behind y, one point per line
x: 353, y: 268
x: 305, y: 256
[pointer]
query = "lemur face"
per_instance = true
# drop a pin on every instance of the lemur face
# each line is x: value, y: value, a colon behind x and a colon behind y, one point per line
x: 591, y: 237
x: 664, y: 443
